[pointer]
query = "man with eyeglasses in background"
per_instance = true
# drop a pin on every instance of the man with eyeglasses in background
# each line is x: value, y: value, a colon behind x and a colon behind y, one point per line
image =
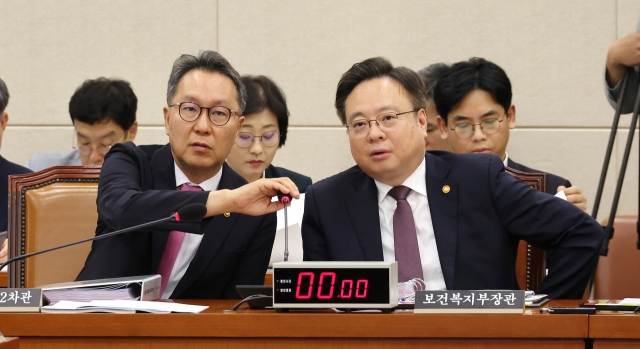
x: 6, y: 168
x: 475, y: 97
x: 452, y: 220
x: 138, y: 184
x: 103, y: 112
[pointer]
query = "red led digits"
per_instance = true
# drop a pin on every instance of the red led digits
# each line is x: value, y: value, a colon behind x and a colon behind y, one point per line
x: 333, y: 282
x: 344, y: 283
x: 300, y: 276
x: 364, y: 292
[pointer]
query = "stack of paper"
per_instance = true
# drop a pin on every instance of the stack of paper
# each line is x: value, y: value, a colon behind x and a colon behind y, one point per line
x: 121, y: 306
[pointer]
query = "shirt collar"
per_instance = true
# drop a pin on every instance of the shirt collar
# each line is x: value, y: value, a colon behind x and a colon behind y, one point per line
x: 506, y: 159
x: 210, y: 184
x: 415, y: 182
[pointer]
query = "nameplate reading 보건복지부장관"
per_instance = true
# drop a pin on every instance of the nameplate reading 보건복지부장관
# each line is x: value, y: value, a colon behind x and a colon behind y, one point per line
x: 18, y: 300
x: 471, y: 302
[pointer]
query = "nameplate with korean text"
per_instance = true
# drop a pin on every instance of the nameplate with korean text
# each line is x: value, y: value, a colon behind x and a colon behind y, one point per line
x: 470, y: 302
x: 18, y: 300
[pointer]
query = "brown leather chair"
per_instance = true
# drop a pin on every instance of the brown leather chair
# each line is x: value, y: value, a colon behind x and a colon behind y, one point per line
x: 618, y: 274
x: 531, y: 263
x: 46, y: 209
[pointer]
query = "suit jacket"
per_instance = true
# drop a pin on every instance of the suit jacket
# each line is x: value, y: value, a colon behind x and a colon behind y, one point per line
x: 477, y: 224
x: 138, y: 185
x: 7, y: 168
x: 553, y: 181
x: 301, y: 181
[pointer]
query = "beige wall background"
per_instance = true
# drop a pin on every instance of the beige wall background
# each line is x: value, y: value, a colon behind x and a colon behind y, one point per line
x: 553, y: 51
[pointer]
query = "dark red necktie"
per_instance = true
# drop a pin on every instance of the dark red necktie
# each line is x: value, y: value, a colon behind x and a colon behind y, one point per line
x: 405, y: 237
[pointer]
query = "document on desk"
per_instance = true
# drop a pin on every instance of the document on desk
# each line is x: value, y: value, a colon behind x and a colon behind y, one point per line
x: 294, y: 220
x: 122, y: 306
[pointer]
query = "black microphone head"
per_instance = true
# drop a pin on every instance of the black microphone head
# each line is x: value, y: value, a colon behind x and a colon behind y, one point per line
x: 191, y: 212
x: 284, y: 198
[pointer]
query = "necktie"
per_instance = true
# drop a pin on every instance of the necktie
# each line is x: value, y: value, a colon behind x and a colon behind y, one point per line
x: 405, y: 237
x: 172, y: 247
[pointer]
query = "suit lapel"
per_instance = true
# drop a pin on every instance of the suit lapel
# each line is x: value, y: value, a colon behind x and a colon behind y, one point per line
x: 215, y: 231
x: 443, y: 207
x: 362, y: 202
x: 164, y: 178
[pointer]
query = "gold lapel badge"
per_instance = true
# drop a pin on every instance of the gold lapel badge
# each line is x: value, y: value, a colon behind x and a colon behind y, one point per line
x: 446, y: 189
x: 227, y: 214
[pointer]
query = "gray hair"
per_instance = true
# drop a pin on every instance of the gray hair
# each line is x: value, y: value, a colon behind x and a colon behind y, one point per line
x: 4, y: 96
x: 209, y: 61
x: 430, y: 76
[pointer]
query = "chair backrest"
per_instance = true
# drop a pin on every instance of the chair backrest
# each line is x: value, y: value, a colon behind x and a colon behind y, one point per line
x: 46, y: 209
x: 617, y: 273
x: 531, y: 263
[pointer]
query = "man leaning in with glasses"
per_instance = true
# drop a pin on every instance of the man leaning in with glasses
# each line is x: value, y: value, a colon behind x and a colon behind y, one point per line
x: 452, y: 220
x: 138, y: 184
x: 475, y: 96
x: 103, y: 112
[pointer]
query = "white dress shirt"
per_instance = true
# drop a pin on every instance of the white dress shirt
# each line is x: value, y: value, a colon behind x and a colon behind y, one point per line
x: 431, y: 269
x: 191, y: 242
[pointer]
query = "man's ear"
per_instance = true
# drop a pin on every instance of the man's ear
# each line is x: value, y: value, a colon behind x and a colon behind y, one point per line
x: 133, y: 131
x: 166, y: 111
x: 511, y: 116
x: 4, y: 120
x: 444, y: 133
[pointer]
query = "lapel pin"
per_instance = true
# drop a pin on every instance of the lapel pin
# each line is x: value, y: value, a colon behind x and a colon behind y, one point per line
x: 446, y: 189
x: 227, y: 214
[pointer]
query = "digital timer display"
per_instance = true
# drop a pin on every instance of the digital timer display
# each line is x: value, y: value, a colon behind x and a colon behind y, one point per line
x: 331, y: 285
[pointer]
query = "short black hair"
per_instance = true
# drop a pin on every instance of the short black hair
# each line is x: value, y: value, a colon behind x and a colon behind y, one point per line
x: 464, y: 77
x: 373, y: 68
x: 104, y: 99
x: 430, y: 76
x: 263, y: 93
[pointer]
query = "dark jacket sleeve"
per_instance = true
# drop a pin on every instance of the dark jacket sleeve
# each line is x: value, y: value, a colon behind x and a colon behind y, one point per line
x: 127, y: 194
x: 548, y: 223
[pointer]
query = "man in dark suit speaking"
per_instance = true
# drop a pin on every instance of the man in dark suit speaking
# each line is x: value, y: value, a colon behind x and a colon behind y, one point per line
x: 205, y: 99
x: 453, y: 220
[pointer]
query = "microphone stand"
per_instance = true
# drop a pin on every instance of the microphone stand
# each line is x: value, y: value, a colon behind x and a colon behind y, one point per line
x: 99, y: 237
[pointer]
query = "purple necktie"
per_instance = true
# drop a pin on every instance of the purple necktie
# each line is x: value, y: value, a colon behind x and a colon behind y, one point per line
x: 405, y: 237
x: 172, y: 247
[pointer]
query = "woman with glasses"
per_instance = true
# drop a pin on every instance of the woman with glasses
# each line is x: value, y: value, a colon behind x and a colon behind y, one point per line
x: 263, y: 132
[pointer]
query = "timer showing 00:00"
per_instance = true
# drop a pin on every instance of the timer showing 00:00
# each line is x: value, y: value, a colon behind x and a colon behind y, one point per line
x: 326, y: 286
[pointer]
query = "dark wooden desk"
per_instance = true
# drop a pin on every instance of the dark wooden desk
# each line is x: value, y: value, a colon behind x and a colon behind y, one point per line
x: 268, y: 329
x: 3, y: 279
x: 11, y: 343
x: 614, y: 330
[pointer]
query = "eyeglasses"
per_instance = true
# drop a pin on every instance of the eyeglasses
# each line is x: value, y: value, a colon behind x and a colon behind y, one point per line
x: 269, y: 139
x: 387, y: 121
x: 488, y: 126
x: 190, y: 112
x: 86, y: 149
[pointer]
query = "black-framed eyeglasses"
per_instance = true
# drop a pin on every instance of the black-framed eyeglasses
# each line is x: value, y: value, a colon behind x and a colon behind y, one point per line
x: 488, y: 126
x: 387, y: 121
x: 190, y: 112
x: 269, y: 139
x: 86, y: 149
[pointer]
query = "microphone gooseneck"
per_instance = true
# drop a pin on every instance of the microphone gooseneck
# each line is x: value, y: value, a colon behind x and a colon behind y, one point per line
x: 285, y: 199
x: 189, y: 212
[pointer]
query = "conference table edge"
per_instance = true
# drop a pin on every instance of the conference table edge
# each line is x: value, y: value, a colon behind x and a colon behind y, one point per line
x: 215, y: 323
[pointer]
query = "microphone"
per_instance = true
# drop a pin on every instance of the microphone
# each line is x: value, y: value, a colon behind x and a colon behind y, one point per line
x: 188, y: 213
x: 285, y: 199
